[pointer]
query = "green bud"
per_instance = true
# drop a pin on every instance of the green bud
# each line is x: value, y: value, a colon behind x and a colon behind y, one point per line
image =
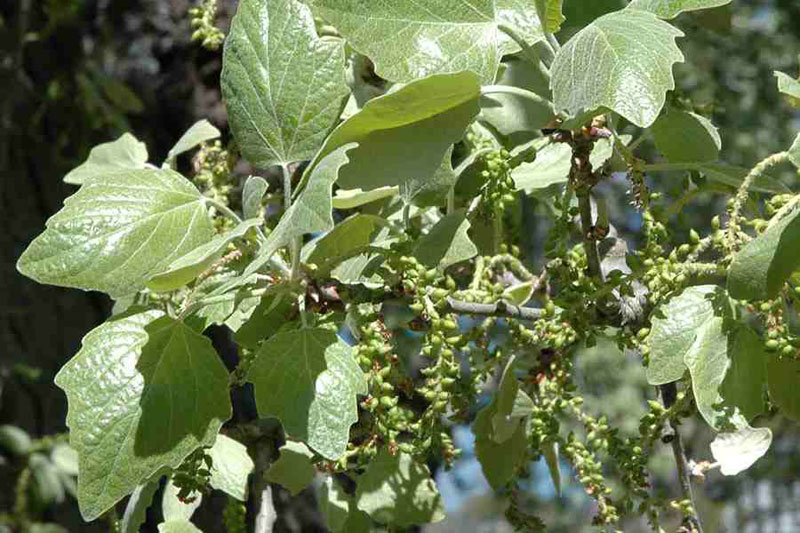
x: 771, y: 345
x: 694, y: 237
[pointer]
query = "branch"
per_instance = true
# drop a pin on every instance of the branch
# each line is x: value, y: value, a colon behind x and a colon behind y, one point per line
x: 500, y: 309
x: 587, y: 233
x: 669, y: 394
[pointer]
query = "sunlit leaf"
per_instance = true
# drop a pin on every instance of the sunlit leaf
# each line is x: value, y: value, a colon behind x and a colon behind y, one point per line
x: 622, y: 61
x: 293, y: 469
x: 200, y: 132
x: 668, y: 9
x: 682, y: 136
x: 126, y: 153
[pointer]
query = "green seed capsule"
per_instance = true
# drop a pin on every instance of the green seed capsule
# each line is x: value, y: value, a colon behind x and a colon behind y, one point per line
x: 771, y: 345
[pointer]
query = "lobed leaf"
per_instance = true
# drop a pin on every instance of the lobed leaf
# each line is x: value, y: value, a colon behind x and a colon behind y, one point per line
x: 284, y: 86
x: 309, y: 379
x: 668, y: 9
x: 397, y: 490
x: 119, y: 230
x: 126, y: 153
x: 200, y: 132
x: 186, y: 268
x: 293, y: 469
x: 144, y: 392
x: 685, y: 137
x: 760, y: 269
x: 622, y: 61
x: 230, y: 467
x: 447, y: 243
x: 407, y: 41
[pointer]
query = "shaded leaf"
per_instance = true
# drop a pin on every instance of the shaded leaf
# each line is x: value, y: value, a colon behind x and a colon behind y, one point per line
x: 252, y: 193
x: 684, y: 137
x: 397, y: 490
x: 430, y: 191
x: 117, y: 231
x: 745, y: 380
x: 447, y: 243
x: 230, y: 467
x: 136, y: 509
x: 351, y: 234
x: 760, y: 269
x: 309, y: 380
x: 272, y: 312
x: 789, y: 87
x: 783, y: 376
x: 737, y: 451
x: 282, y: 84
x: 200, y: 132
x: 668, y: 9
x: 499, y: 461
x: 407, y: 42
x: 674, y: 329
x: 423, y: 118
x: 293, y: 469
x: 186, y: 268
x: 126, y: 153
x: 622, y: 61
x: 552, y: 165
x: 144, y: 392
x: 734, y: 176
x: 512, y: 406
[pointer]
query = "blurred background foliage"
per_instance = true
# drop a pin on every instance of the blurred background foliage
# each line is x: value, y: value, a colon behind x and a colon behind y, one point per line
x: 76, y: 73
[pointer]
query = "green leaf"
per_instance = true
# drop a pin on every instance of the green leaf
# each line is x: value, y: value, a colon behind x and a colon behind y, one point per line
x: 272, y: 312
x: 117, y: 231
x: 518, y: 294
x: 230, y: 467
x: 293, y: 469
x: 674, y: 329
x: 447, y: 243
x: 552, y: 165
x: 760, y: 269
x: 430, y: 191
x: 200, y: 132
x: 745, y: 381
x: 282, y: 84
x: 550, y: 453
x: 737, y: 451
x: 311, y: 212
x: 734, y: 176
x: 551, y: 15
x: 668, y: 9
x: 65, y: 459
x: 622, y: 61
x: 512, y: 115
x: 397, y: 490
x: 126, y: 153
x: 351, y: 198
x: 136, y: 509
x: 783, y: 376
x: 499, y: 461
x: 794, y: 152
x: 178, y: 526
x: 186, y: 268
x: 423, y: 118
x: 512, y: 406
x: 144, y: 392
x: 339, y: 509
x: 173, y: 508
x: 349, y: 235
x: 47, y: 485
x: 684, y: 137
x: 14, y: 440
x: 407, y: 41
x: 309, y: 380
x: 252, y: 193
x: 789, y: 87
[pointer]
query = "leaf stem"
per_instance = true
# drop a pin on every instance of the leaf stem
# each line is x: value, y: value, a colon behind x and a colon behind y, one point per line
x: 517, y: 91
x: 527, y: 50
x: 294, y: 246
x: 553, y: 42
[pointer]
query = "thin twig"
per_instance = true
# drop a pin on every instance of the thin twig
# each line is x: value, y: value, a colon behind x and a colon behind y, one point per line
x: 669, y: 393
x: 499, y: 309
